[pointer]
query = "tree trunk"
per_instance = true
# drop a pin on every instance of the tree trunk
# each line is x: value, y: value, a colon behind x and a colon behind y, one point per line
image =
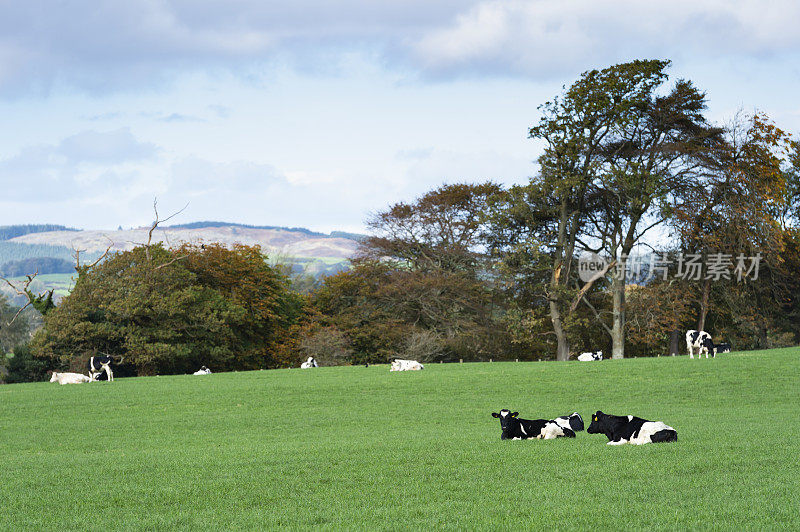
x: 562, y: 352
x: 704, y: 299
x: 618, y: 325
x: 674, y: 342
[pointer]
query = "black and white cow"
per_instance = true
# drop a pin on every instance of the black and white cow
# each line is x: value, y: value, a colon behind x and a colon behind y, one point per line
x: 574, y: 422
x: 310, y: 363
x: 701, y: 341
x: 99, y: 364
x: 514, y: 428
x: 724, y: 347
x: 590, y: 356
x: 630, y: 429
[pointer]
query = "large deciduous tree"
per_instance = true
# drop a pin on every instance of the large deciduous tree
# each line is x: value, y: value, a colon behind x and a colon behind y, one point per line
x: 737, y: 210
x: 613, y: 149
x: 420, y: 287
x: 660, y: 146
x: 173, y: 310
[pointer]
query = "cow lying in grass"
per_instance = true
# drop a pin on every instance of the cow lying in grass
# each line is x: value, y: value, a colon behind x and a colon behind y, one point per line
x: 590, y: 356
x: 724, y: 347
x: 630, y: 429
x: 406, y: 365
x: 310, y: 363
x: 69, y: 378
x: 515, y: 428
x: 202, y: 371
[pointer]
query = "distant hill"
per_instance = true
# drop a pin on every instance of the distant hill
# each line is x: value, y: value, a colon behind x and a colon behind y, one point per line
x: 276, y: 242
x: 8, y: 232
x: 205, y: 225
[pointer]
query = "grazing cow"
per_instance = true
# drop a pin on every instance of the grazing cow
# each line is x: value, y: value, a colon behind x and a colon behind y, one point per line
x: 515, y: 428
x: 99, y: 364
x: 724, y: 347
x: 202, y: 371
x: 630, y: 429
x: 588, y: 357
x: 69, y: 378
x: 699, y: 340
x: 406, y: 365
x: 310, y: 363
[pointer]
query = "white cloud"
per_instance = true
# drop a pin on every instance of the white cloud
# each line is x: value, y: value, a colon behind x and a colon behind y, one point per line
x: 89, y: 162
x: 103, y: 46
x: 543, y: 39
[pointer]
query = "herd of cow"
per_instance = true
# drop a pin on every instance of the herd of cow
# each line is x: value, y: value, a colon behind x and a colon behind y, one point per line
x: 695, y: 340
x: 97, y: 365
x: 618, y: 429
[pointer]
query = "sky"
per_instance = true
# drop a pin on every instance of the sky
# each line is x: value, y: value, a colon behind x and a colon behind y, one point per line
x: 317, y: 114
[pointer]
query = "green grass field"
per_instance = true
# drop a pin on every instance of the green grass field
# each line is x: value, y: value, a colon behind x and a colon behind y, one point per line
x: 362, y: 448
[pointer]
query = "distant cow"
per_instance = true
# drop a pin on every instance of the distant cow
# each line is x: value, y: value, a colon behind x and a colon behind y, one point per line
x: 514, y: 428
x: 630, y: 429
x: 588, y: 357
x: 310, y: 363
x: 100, y: 364
x: 69, y: 378
x: 701, y: 341
x: 724, y: 347
x: 202, y: 371
x: 406, y: 365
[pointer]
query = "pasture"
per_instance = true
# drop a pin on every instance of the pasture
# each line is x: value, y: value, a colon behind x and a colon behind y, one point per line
x: 363, y: 448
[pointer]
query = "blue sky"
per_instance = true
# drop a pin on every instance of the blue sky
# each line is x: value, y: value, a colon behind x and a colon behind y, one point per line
x: 315, y: 113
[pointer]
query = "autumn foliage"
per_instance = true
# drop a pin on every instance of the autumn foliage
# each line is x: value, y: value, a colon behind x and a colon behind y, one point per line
x: 173, y: 310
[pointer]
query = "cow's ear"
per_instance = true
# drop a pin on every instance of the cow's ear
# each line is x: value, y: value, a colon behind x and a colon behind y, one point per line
x: 515, y: 414
x: 495, y: 414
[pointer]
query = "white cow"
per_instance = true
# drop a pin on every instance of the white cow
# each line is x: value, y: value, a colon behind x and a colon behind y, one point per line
x: 588, y: 357
x: 310, y: 363
x: 701, y: 341
x: 69, y: 378
x: 202, y: 371
x: 405, y: 365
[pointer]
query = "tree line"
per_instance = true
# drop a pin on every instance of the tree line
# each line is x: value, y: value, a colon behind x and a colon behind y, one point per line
x: 692, y: 225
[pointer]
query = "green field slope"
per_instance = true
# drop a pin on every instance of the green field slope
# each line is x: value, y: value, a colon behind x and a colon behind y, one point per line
x: 362, y: 448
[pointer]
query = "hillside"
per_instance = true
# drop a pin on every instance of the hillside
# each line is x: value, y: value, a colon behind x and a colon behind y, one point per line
x: 355, y: 447
x: 274, y: 241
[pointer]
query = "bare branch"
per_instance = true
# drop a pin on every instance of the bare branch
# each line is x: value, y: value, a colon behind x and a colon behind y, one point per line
x: 588, y: 285
x: 26, y: 305
x: 156, y: 223
x: 597, y: 315
x: 170, y: 262
x: 24, y: 292
x: 77, y: 254
x: 12, y: 286
x: 104, y: 255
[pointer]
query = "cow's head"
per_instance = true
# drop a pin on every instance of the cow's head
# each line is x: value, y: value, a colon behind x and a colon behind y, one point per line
x: 597, y: 424
x: 708, y: 345
x: 507, y: 418
x: 54, y: 377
